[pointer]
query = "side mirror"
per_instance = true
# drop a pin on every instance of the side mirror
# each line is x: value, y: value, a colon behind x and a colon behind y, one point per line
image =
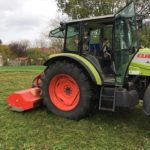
x: 139, y: 20
x: 132, y: 50
x: 140, y: 25
x: 62, y: 26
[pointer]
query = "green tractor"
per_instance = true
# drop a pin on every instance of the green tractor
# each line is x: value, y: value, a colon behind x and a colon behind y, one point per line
x: 101, y: 67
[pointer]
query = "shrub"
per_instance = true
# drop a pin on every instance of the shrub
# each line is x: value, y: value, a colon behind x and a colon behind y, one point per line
x: 19, y: 48
x: 6, y: 54
x: 37, y: 56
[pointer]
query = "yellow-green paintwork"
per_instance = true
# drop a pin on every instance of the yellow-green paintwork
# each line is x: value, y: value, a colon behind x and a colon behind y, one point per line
x: 145, y: 50
x: 135, y: 67
x: 143, y: 70
x: 85, y: 61
x: 139, y: 67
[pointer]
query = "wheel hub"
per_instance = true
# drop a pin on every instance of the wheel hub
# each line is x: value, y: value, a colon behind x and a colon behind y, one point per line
x: 68, y: 90
x: 64, y: 92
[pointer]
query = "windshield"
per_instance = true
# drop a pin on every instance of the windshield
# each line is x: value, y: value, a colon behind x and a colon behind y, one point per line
x: 125, y: 40
x: 127, y: 12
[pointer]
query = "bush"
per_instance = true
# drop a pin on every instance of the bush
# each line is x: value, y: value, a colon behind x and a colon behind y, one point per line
x: 6, y: 54
x: 144, y: 40
x: 37, y: 56
x: 15, y: 53
x: 144, y: 36
x: 18, y: 48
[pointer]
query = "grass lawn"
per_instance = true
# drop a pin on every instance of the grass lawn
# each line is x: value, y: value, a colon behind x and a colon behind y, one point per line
x: 38, y: 129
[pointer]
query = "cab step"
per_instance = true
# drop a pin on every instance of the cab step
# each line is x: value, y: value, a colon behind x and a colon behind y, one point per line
x: 107, y: 98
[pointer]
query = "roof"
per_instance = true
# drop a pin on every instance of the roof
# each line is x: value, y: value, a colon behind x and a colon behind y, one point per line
x: 60, y: 34
x: 106, y: 17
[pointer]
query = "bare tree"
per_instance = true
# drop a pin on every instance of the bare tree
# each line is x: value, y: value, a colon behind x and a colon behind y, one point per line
x: 1, y: 42
x: 57, y: 43
x: 19, y: 48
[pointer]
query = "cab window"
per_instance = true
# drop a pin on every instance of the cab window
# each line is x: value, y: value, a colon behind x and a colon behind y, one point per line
x: 72, y: 39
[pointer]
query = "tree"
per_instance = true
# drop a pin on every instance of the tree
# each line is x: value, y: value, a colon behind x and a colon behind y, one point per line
x: 19, y: 48
x: 143, y: 11
x: 143, y: 7
x: 88, y: 8
x: 56, y: 43
x: 77, y: 9
x: 1, y: 42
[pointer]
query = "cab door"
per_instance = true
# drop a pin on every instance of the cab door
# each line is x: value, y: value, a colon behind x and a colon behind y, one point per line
x: 124, y: 41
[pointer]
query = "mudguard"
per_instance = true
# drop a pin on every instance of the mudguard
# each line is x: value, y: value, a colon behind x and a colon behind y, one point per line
x: 83, y: 62
x: 146, y: 105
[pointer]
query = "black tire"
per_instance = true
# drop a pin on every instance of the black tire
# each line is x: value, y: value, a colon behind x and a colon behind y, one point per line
x: 88, y: 91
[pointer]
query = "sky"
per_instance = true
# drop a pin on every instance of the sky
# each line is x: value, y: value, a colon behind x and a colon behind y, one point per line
x: 25, y: 19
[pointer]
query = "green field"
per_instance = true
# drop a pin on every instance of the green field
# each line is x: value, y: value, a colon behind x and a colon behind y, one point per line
x: 41, y: 130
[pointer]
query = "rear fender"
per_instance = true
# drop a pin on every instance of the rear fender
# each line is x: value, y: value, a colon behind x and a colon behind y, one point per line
x: 83, y: 62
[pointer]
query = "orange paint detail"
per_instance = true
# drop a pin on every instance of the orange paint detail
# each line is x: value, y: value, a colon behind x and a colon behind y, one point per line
x: 64, y: 92
x: 142, y: 55
x: 24, y: 99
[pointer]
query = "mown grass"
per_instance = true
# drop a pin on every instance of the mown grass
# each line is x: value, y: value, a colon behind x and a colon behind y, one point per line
x: 21, y: 68
x: 38, y: 129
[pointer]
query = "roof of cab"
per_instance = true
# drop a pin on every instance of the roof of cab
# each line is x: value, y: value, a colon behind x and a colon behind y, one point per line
x: 106, y: 17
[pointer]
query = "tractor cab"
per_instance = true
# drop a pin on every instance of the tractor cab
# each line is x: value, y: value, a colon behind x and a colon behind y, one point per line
x: 109, y: 42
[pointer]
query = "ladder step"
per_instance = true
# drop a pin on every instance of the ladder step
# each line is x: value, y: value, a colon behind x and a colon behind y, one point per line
x: 107, y: 96
x: 107, y: 99
x: 108, y: 109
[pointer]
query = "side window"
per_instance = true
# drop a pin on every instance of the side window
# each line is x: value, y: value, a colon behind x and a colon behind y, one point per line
x: 133, y: 33
x: 72, y: 37
x: 90, y: 39
x: 94, y: 38
x: 94, y: 42
x: 108, y: 32
x: 95, y: 34
x: 120, y: 38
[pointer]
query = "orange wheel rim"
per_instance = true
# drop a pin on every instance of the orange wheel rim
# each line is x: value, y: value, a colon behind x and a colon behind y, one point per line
x: 64, y: 92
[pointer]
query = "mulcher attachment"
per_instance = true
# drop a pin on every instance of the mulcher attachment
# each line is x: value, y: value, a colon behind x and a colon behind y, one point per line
x: 26, y: 99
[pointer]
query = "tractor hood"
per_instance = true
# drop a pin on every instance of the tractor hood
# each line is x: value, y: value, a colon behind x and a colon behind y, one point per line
x: 140, y: 64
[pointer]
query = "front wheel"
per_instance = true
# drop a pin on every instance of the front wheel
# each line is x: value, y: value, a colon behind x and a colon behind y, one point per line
x: 68, y: 91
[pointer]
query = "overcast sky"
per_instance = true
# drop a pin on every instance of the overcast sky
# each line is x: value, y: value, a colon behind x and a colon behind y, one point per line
x: 25, y: 19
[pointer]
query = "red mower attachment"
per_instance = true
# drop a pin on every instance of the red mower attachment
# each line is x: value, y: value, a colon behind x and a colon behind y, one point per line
x: 26, y: 99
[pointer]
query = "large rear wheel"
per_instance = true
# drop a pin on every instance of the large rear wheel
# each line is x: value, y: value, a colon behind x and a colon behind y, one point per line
x: 68, y: 91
